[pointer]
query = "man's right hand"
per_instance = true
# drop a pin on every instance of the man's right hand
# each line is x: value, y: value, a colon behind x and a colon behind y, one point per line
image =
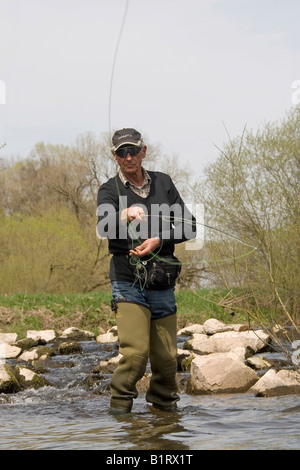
x: 132, y: 213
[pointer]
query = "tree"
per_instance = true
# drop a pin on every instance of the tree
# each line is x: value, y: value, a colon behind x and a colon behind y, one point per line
x: 48, y: 214
x: 252, y: 192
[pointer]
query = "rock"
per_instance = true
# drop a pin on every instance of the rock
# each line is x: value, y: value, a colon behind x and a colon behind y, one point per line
x: 28, y: 343
x: 9, y: 338
x: 184, y: 359
x: 110, y: 337
x: 7, y: 351
x: 8, y: 381
x: 200, y: 343
x: 77, y: 335
x: 45, y: 335
x: 227, y: 341
x: 255, y: 340
x: 258, y: 363
x: 210, y: 327
x: 221, y: 373
x: 30, y: 355
x: 213, y: 326
x: 29, y: 379
x: 108, y: 366
x: 41, y: 352
x: 72, y: 347
x: 190, y: 330
x: 272, y: 383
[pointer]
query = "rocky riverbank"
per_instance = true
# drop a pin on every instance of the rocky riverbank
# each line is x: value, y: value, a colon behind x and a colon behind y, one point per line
x: 213, y: 358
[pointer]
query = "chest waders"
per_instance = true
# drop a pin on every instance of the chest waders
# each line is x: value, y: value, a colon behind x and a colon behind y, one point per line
x: 141, y: 338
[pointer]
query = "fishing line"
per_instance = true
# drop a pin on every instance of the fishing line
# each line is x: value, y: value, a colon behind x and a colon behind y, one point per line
x: 113, y: 66
x: 182, y: 220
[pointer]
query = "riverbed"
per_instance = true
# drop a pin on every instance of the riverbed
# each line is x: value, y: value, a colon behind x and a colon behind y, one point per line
x: 69, y: 415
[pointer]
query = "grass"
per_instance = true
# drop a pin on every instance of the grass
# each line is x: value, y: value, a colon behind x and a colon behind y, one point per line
x: 22, y: 312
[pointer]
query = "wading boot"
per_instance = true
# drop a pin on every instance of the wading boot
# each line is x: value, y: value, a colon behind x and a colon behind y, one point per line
x: 162, y: 392
x: 133, y: 322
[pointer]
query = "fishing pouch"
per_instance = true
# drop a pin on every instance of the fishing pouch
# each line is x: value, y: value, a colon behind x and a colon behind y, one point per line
x: 161, y: 273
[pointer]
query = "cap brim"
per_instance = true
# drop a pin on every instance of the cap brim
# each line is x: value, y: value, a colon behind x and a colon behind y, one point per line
x: 136, y: 144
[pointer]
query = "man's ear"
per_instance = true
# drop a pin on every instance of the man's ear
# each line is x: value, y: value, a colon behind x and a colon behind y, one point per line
x: 144, y: 151
x: 114, y: 155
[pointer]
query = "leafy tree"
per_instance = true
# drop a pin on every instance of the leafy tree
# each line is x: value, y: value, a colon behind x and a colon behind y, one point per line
x: 252, y: 192
x: 48, y: 205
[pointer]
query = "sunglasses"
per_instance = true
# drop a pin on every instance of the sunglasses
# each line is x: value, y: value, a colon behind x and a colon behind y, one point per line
x: 123, y: 151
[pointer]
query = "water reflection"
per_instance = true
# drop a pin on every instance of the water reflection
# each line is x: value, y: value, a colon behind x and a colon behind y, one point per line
x: 69, y: 421
x: 153, y: 430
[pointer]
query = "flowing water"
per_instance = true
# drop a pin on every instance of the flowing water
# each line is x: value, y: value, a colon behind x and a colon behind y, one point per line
x: 70, y: 415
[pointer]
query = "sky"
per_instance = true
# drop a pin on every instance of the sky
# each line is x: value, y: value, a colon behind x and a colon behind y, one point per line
x: 186, y: 73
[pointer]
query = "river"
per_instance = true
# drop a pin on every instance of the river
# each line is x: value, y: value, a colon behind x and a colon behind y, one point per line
x: 69, y: 415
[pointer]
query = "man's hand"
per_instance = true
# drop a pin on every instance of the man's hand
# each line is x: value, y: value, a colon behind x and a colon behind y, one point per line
x: 146, y: 248
x: 132, y: 213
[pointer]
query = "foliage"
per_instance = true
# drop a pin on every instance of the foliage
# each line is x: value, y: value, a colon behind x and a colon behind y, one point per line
x: 48, y: 205
x: 252, y: 192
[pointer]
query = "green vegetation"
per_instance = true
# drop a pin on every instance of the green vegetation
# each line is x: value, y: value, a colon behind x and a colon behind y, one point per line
x: 22, y: 312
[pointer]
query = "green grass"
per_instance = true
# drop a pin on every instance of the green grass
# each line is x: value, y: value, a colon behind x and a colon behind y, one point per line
x: 22, y: 312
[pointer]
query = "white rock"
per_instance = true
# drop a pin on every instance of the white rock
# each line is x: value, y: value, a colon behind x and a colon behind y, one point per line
x: 258, y: 363
x: 109, y: 365
x: 221, y: 373
x: 241, y: 352
x: 256, y: 340
x: 7, y: 351
x: 9, y: 338
x: 8, y: 381
x: 27, y: 374
x: 272, y: 383
x: 46, y: 335
x: 77, y: 334
x: 200, y: 343
x: 213, y: 326
x: 191, y: 329
x: 5, y: 376
x: 29, y: 355
x: 110, y: 337
x: 227, y: 341
x: 27, y: 378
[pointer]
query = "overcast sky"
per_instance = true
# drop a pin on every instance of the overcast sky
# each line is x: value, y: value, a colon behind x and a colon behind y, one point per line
x: 185, y: 69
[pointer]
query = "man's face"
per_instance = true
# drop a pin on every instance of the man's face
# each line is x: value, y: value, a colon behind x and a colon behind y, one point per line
x: 131, y: 164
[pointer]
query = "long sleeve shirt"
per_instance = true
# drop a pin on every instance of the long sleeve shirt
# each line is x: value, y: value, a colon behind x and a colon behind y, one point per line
x: 167, y: 217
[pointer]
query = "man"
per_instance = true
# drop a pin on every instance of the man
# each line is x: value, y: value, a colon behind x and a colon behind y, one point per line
x: 143, y: 216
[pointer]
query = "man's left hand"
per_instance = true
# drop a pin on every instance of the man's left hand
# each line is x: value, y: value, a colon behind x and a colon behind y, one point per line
x: 146, y: 248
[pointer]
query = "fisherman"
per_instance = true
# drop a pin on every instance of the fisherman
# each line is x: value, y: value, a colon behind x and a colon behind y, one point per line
x: 143, y: 215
